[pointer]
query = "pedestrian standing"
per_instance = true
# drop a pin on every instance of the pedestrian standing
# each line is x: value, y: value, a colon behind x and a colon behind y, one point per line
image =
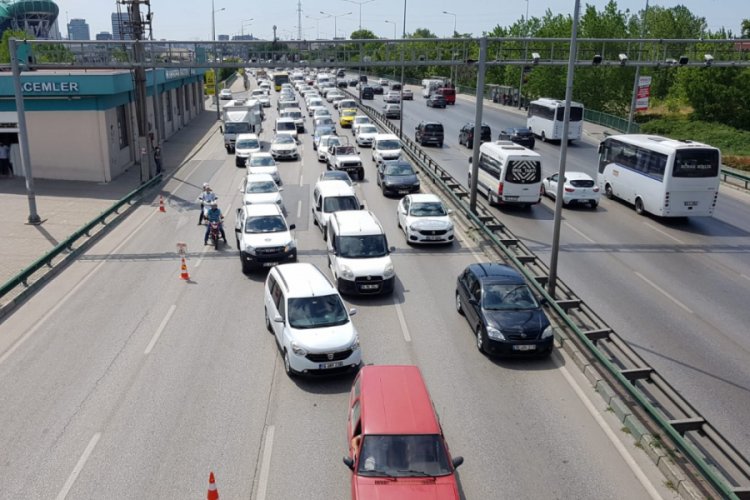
x: 157, y: 159
x: 4, y: 159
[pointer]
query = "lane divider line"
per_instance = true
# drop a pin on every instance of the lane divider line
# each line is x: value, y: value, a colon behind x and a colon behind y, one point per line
x: 265, y: 465
x: 402, y: 320
x: 673, y: 238
x: 159, y: 330
x: 664, y: 292
x: 79, y: 467
x: 579, y: 232
x: 299, y: 209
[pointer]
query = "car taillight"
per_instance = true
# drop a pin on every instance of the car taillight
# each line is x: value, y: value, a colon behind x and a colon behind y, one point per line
x: 570, y: 190
x: 596, y: 189
x: 500, y: 189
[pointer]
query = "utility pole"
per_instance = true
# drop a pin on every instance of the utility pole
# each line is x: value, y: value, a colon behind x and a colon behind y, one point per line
x: 138, y: 28
x: 299, y: 19
x: 633, y: 99
x: 401, y: 114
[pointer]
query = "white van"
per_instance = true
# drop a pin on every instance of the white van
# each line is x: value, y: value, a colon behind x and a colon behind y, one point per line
x: 509, y: 174
x: 358, y: 254
x: 330, y: 196
x: 385, y: 147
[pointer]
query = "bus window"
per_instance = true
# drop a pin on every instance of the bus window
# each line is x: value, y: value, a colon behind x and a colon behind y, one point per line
x: 696, y: 163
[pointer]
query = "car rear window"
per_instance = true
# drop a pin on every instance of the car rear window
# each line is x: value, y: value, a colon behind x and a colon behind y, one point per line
x: 582, y: 183
x: 433, y: 127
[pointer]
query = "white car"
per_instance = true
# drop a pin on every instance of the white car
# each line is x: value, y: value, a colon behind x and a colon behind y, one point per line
x: 578, y: 188
x: 326, y: 142
x: 260, y: 188
x: 284, y: 147
x: 366, y: 134
x: 263, y: 163
x: 312, y: 109
x: 334, y: 95
x: 424, y: 219
x: 359, y: 120
x: 312, y: 328
x: 225, y: 94
x: 286, y: 126
x: 244, y: 146
x: 263, y: 237
x: 262, y: 97
x: 385, y: 147
x: 296, y: 115
x: 321, y: 112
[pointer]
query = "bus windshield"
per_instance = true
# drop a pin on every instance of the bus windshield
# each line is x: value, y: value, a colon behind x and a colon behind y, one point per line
x: 576, y: 113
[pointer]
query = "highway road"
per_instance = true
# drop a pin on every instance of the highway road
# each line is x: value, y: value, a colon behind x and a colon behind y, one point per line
x: 676, y: 290
x: 120, y: 380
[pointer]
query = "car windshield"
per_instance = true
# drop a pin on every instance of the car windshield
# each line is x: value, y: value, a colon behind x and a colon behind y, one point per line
x: 316, y: 312
x: 507, y: 296
x: 284, y: 139
x: 348, y: 112
x: 361, y: 119
x: 368, y: 129
x: 388, y: 144
x: 428, y: 209
x: 362, y: 247
x: 322, y: 112
x: 286, y: 126
x: 248, y: 144
x: 337, y: 175
x: 262, y: 161
x: 261, y: 187
x: 236, y: 128
x: 398, y: 169
x: 345, y: 150
x: 403, y: 456
x: 326, y: 120
x: 336, y: 203
x: 293, y: 114
x: 265, y: 224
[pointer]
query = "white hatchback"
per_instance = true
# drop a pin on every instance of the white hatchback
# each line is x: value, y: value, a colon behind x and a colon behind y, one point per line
x: 263, y: 163
x: 245, y: 146
x: 578, y: 188
x: 260, y: 188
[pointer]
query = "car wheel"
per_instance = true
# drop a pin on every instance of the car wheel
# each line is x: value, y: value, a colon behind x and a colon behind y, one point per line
x: 440, y: 144
x: 544, y: 191
x: 491, y: 197
x: 593, y: 204
x: 459, y: 307
x: 480, y: 340
x: 639, y: 207
x: 268, y: 321
x: 544, y: 137
x: 287, y: 366
x: 608, y: 192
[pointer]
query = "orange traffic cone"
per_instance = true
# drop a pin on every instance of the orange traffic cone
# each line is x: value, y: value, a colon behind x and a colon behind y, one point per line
x: 161, y: 204
x: 213, y: 493
x: 184, y: 274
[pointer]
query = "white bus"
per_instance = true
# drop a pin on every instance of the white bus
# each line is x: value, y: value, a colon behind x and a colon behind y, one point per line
x: 509, y: 174
x: 664, y: 177
x: 545, y: 119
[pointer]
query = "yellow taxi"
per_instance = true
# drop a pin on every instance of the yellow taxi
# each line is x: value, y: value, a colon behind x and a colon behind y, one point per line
x: 347, y: 117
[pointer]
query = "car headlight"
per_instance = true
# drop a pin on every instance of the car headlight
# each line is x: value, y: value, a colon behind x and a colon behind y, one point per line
x: 290, y: 246
x: 347, y: 273
x: 494, y: 333
x: 548, y: 332
x: 250, y: 250
x: 389, y: 272
x: 414, y: 227
x: 355, y: 344
x: 279, y: 201
x: 296, y: 349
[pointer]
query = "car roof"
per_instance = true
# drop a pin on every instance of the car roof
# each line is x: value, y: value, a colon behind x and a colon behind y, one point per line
x: 496, y: 272
x: 578, y: 176
x: 395, y: 400
x: 385, y: 137
x: 259, y: 178
x: 285, y: 119
x: 258, y: 209
x: 262, y: 154
x: 357, y: 222
x: 424, y: 198
x: 333, y: 187
x: 247, y: 136
x: 302, y: 279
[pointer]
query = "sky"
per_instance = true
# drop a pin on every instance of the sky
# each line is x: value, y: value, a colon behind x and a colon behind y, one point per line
x: 191, y: 19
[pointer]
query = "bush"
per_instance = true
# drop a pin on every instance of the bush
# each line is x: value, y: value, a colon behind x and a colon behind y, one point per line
x: 734, y: 143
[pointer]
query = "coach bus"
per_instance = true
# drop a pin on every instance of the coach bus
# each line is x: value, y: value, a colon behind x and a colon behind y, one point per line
x: 278, y: 79
x: 545, y: 119
x: 660, y: 176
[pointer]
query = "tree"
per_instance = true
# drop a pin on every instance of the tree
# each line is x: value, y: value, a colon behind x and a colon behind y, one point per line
x: 7, y: 35
x: 746, y: 28
x: 363, y: 34
x: 720, y: 95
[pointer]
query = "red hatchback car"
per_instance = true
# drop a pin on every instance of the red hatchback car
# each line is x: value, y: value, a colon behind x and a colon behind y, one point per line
x: 396, y: 445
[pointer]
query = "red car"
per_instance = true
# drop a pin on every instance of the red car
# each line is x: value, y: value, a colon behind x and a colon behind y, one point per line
x: 396, y: 445
x: 449, y: 93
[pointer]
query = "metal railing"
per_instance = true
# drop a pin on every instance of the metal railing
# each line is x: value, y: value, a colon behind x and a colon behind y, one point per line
x: 643, y: 389
x: 737, y: 178
x: 614, y: 122
x: 46, y: 260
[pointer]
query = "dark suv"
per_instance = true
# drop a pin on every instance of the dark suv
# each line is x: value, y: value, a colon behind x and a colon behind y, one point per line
x: 521, y: 136
x: 429, y: 133
x: 367, y: 93
x: 466, y: 135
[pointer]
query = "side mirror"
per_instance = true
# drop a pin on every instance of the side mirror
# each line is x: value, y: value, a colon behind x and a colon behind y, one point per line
x: 543, y: 301
x: 281, y: 189
x: 352, y: 311
x: 317, y: 208
x: 221, y: 129
x: 349, y: 462
x: 292, y: 226
x: 470, y: 159
x: 392, y: 249
x: 473, y: 301
x: 450, y: 211
x: 361, y: 206
x: 457, y: 461
x: 278, y: 319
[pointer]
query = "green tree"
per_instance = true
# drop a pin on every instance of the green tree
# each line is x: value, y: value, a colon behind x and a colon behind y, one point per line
x: 720, y: 95
x: 7, y: 35
x: 745, y: 28
x: 363, y: 34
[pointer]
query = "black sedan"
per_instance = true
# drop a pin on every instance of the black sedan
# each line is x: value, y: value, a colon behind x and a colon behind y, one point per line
x: 397, y: 177
x: 377, y: 88
x: 353, y: 82
x: 521, y: 136
x: 436, y: 101
x: 501, y: 309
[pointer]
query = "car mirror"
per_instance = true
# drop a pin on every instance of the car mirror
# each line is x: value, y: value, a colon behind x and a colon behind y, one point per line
x: 457, y: 461
x: 450, y: 211
x: 352, y: 311
x: 281, y: 189
x: 392, y: 249
x: 543, y: 301
x: 470, y: 159
x: 292, y: 226
x: 221, y: 129
x: 278, y: 319
x: 473, y: 301
x: 361, y: 206
x: 349, y: 462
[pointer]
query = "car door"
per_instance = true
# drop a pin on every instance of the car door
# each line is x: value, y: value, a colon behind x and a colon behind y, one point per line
x: 464, y: 287
x: 238, y: 225
x: 403, y: 211
x: 552, y: 186
x: 318, y: 210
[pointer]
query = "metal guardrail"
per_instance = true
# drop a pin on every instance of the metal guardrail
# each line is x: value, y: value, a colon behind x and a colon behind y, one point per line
x: 614, y: 122
x: 741, y: 178
x: 21, y: 279
x: 645, y: 390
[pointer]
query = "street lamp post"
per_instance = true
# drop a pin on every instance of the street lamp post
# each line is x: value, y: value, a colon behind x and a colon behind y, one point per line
x: 394, y: 37
x: 525, y: 54
x: 401, y: 115
x: 633, y: 99
x: 216, y: 70
x: 453, y: 80
x: 360, y: 3
x: 317, y: 24
x: 335, y: 20
x: 245, y: 22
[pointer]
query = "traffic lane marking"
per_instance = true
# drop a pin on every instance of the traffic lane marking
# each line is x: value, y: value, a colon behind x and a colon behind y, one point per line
x: 401, y: 319
x: 79, y: 467
x: 160, y: 329
x: 265, y: 465
x: 664, y: 292
x: 673, y: 238
x: 579, y: 232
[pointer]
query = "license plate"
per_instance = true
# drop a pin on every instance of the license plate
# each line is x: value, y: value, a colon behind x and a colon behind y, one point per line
x: 332, y: 364
x: 524, y: 347
x: 691, y: 203
x: 433, y: 238
x: 370, y: 287
x: 269, y: 264
x: 510, y: 198
x: 403, y: 191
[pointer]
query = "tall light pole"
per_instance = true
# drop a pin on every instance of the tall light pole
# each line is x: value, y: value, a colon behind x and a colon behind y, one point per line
x: 245, y: 22
x: 453, y: 80
x: 214, y: 10
x: 394, y: 37
x: 631, y: 114
x: 525, y: 53
x: 401, y: 115
x: 360, y: 3
x: 317, y: 24
x: 335, y: 20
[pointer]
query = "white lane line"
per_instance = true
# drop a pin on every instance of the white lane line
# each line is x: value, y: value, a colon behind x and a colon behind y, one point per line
x: 299, y: 209
x: 664, y: 233
x: 626, y: 456
x: 159, y: 330
x: 664, y: 292
x: 579, y: 232
x: 72, y: 292
x: 265, y: 464
x: 402, y: 320
x: 745, y: 276
x: 301, y: 178
x: 79, y: 467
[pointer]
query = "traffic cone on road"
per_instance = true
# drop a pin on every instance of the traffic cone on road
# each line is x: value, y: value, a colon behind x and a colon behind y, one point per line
x: 184, y: 272
x: 161, y: 204
x: 213, y: 493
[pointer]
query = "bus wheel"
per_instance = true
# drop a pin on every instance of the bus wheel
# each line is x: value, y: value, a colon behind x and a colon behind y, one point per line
x: 608, y: 192
x: 639, y: 207
x: 490, y: 197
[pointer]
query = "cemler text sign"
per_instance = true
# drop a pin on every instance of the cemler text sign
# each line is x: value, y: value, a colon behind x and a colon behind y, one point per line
x: 50, y: 87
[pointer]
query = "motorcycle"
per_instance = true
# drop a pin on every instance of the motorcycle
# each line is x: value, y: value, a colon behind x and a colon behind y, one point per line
x: 214, y: 232
x: 206, y: 206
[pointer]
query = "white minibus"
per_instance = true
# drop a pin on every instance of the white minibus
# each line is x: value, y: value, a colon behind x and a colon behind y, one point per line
x: 508, y: 174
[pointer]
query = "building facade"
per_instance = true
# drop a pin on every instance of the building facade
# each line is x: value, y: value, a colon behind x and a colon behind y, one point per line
x: 78, y: 29
x: 104, y: 35
x: 99, y: 106
x: 121, y: 29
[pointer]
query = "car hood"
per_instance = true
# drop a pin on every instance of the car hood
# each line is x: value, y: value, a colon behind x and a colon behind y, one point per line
x: 257, y: 198
x: 530, y: 322
x: 327, y: 339
x: 283, y: 147
x: 430, y: 222
x: 246, y: 152
x: 406, y: 488
x: 373, y: 266
x: 281, y: 238
x: 367, y: 135
x: 401, y: 180
x: 273, y: 171
x: 348, y: 158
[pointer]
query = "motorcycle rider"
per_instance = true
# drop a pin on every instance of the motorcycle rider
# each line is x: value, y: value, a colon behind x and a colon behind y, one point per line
x: 207, y: 196
x: 214, y: 215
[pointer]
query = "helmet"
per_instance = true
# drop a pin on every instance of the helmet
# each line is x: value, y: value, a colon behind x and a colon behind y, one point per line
x: 206, y: 186
x: 213, y: 204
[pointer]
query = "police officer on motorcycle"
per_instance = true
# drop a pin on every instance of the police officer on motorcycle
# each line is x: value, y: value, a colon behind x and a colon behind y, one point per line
x: 214, y: 215
x: 207, y: 196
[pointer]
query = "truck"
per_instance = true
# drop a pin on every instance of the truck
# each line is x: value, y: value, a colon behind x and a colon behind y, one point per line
x: 430, y: 85
x: 240, y: 116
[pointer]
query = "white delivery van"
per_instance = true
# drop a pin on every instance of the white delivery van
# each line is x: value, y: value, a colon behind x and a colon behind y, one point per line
x: 508, y: 174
